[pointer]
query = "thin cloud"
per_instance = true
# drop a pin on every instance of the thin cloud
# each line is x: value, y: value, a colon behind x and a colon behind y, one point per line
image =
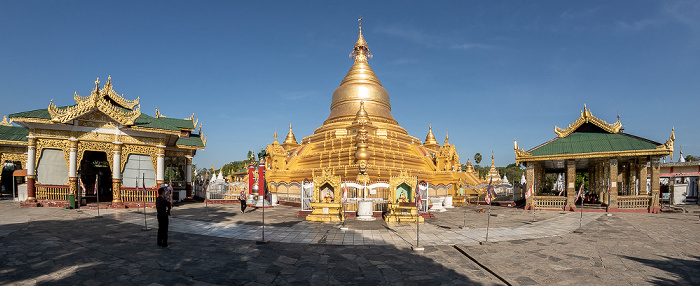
x: 429, y: 40
x: 686, y: 12
x: 571, y: 14
x: 470, y: 46
x: 637, y: 26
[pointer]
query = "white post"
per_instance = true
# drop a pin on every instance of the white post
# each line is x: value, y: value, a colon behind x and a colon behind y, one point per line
x: 160, y: 165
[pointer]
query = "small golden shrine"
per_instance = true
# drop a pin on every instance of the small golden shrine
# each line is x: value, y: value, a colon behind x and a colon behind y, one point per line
x: 103, y: 145
x: 361, y: 142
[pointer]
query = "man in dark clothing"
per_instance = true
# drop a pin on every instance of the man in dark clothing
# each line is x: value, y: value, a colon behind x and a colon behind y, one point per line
x: 163, y: 206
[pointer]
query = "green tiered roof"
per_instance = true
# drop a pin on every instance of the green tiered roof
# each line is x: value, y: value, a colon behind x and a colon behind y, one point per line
x: 13, y: 133
x: 584, y: 142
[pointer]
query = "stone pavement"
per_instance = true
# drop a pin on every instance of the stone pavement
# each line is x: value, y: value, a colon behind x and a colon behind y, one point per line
x: 57, y: 246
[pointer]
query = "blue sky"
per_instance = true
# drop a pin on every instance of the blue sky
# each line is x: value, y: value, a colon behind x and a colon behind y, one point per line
x: 486, y: 71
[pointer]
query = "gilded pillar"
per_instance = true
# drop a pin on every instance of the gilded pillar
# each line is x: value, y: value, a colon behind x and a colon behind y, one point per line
x: 570, y: 185
x: 160, y: 165
x: 642, y: 169
x: 655, y: 185
x: 116, y: 174
x: 530, y: 178
x: 612, y: 197
x: 31, y: 168
x: 73, y: 167
x: 188, y: 176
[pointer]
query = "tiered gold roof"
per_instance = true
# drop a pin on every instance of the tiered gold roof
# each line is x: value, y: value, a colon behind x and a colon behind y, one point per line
x: 360, y: 106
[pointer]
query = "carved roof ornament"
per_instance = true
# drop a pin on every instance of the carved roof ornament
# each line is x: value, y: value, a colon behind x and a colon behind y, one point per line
x: 447, y: 138
x: 587, y: 117
x: 519, y: 152
x: 361, y: 117
x: 669, y: 143
x: 125, y: 111
x: 4, y: 121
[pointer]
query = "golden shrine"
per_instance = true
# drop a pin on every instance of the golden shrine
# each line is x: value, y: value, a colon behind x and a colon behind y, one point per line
x: 361, y: 142
x: 103, y: 145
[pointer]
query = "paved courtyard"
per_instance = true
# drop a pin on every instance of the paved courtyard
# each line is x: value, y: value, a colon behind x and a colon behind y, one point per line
x: 215, y: 244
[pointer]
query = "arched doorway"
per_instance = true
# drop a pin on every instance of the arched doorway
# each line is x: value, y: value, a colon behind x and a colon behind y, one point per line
x: 95, y: 168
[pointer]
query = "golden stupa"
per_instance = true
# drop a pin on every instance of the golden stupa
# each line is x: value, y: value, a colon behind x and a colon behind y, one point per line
x: 361, y: 141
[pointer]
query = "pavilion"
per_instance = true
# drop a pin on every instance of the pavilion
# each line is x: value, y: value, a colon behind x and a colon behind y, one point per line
x: 105, y: 140
x: 615, y: 162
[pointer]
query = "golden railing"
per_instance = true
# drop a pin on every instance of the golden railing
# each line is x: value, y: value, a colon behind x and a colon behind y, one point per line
x: 137, y: 196
x: 633, y: 202
x: 549, y: 202
x: 52, y: 193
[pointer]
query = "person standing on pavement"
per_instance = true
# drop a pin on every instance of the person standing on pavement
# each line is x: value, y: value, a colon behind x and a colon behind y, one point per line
x: 243, y: 202
x: 163, y: 207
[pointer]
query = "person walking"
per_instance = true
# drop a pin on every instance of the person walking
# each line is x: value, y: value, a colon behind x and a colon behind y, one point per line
x: 163, y: 207
x: 243, y: 202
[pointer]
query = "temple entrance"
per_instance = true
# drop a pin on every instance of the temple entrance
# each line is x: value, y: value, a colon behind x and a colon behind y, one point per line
x: 8, y: 167
x: 403, y: 193
x: 94, y: 168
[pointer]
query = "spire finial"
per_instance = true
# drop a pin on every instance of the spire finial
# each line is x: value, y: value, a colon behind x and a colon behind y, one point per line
x: 360, y: 52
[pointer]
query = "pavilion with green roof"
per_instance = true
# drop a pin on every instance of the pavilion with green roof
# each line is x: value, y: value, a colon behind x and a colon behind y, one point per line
x: 100, y: 146
x: 616, y: 163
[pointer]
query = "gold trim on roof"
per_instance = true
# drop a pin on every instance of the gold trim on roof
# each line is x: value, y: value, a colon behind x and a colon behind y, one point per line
x: 98, y: 101
x: 587, y: 117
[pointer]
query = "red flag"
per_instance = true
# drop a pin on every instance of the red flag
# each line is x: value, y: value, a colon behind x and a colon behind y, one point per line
x: 345, y: 192
x: 529, y: 191
x: 82, y: 185
x: 580, y: 191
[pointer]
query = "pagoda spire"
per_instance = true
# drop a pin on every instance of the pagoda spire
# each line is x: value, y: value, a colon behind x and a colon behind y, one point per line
x: 447, y: 138
x: 430, y: 138
x: 361, y: 51
x: 290, y: 136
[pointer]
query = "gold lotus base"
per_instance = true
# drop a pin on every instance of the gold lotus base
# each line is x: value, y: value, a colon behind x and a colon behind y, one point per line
x: 325, y: 212
x: 402, y: 213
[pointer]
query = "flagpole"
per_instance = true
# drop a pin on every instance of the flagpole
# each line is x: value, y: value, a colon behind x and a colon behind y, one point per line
x: 580, y: 221
x: 418, y: 201
x: 143, y: 195
x: 97, y: 192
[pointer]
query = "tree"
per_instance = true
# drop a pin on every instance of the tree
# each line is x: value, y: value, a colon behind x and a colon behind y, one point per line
x: 690, y: 158
x: 477, y: 158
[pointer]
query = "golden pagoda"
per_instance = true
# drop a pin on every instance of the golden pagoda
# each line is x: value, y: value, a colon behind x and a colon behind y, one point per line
x: 362, y: 142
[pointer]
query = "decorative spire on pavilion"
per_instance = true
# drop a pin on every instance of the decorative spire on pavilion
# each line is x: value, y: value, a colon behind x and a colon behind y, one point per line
x: 587, y: 117
x: 5, y: 122
x: 275, y: 141
x: 447, y: 138
x: 493, y: 175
